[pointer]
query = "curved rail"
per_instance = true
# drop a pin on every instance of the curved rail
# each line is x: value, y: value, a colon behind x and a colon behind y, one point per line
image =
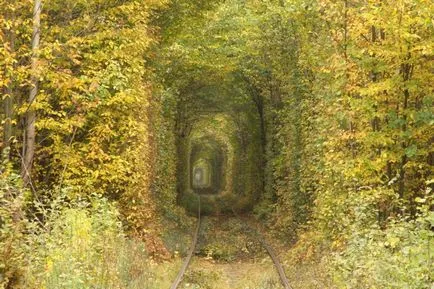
x: 273, y: 256
x: 271, y: 253
x: 184, y: 267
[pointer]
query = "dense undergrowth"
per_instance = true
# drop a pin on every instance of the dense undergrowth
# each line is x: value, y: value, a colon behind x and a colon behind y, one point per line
x: 81, y: 244
x: 320, y: 112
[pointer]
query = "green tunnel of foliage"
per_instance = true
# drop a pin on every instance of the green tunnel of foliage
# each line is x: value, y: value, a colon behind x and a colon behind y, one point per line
x: 235, y: 181
x: 315, y: 114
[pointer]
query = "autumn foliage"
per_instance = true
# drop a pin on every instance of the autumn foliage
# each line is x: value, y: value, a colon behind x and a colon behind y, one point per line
x: 320, y: 111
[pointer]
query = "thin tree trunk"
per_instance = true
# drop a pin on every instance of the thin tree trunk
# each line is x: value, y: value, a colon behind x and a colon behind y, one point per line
x: 30, y: 133
x: 9, y: 100
x: 7, y: 127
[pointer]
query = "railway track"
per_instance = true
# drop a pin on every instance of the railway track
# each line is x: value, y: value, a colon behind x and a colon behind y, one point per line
x: 279, y: 268
x: 184, y: 267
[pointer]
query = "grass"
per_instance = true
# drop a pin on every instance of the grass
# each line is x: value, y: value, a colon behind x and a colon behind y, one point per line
x: 85, y: 247
x: 208, y: 274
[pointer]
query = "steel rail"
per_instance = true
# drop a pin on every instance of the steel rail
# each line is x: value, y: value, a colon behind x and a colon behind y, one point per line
x: 283, y: 279
x: 184, y: 267
x: 276, y: 261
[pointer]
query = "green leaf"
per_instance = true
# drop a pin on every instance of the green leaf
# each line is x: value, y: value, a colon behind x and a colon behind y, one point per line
x: 411, y: 151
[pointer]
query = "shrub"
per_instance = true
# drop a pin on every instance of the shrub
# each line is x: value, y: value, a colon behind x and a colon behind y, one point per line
x: 12, y: 225
x: 397, y: 257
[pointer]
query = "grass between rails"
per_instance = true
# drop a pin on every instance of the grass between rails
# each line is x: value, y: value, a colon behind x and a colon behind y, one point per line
x: 208, y: 274
x: 229, y: 257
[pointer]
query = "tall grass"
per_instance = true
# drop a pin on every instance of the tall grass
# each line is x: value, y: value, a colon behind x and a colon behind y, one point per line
x: 85, y: 247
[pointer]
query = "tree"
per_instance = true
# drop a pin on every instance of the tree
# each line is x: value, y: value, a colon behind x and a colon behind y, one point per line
x: 9, y: 35
x: 30, y: 131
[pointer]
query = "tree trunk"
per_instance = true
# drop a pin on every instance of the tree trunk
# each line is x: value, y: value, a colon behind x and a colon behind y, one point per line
x: 29, y: 141
x: 407, y: 70
x: 9, y: 100
x: 7, y: 127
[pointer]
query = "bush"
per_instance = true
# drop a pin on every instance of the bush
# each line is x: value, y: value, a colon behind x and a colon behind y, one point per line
x: 397, y: 257
x: 12, y: 225
x: 81, y: 245
x: 55, y: 242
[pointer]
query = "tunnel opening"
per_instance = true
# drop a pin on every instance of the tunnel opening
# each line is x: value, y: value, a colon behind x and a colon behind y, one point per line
x: 201, y: 175
x: 207, y: 166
